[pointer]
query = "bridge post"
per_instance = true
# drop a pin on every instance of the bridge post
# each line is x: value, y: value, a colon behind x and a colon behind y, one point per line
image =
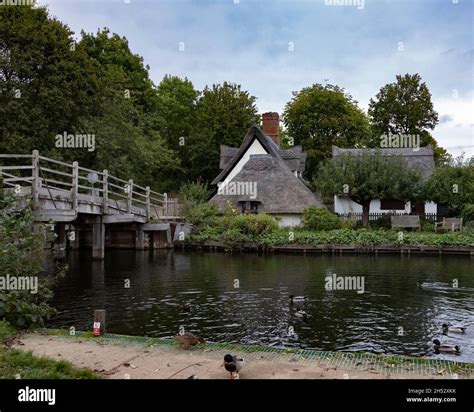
x: 139, y: 237
x: 75, y: 183
x: 165, y: 204
x: 105, y: 194
x: 98, y: 239
x: 148, y: 203
x: 130, y: 196
x: 35, y: 175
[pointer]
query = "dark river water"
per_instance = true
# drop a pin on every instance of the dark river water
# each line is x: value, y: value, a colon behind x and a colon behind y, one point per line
x: 394, y: 315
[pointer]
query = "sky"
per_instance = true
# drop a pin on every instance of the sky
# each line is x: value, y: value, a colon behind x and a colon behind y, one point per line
x: 275, y: 47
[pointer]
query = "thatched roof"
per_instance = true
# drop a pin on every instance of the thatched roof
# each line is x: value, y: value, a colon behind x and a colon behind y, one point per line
x: 294, y: 157
x: 278, y: 190
x: 420, y: 159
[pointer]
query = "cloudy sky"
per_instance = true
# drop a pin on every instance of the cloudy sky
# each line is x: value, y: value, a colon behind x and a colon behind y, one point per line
x: 274, y: 47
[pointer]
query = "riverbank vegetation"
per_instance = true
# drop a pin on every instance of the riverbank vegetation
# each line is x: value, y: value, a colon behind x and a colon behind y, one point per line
x: 319, y: 227
x: 17, y: 364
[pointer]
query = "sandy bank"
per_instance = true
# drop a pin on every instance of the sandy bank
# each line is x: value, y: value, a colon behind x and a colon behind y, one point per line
x: 116, y: 360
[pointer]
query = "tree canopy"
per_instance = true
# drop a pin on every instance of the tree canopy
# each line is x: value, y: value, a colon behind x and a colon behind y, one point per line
x: 321, y: 116
x: 367, y: 177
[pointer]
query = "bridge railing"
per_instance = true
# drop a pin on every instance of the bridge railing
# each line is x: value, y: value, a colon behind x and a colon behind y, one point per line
x: 75, y: 182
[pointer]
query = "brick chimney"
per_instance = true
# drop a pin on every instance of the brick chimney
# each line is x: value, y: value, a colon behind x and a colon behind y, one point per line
x: 271, y: 126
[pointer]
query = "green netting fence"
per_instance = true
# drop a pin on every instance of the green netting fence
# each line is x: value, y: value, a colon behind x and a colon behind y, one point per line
x: 386, y: 364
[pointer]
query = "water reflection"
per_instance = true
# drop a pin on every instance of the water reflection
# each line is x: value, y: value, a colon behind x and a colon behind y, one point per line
x: 406, y: 299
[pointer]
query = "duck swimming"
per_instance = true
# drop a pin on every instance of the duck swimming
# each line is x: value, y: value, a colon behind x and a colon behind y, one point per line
x: 301, y: 314
x: 297, y: 299
x: 233, y: 364
x: 446, y: 348
x: 456, y: 329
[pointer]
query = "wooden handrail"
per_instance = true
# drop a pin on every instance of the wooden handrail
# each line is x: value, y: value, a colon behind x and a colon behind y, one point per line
x: 133, y: 193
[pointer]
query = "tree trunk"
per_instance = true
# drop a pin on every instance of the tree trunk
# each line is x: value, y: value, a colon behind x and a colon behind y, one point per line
x: 365, y: 213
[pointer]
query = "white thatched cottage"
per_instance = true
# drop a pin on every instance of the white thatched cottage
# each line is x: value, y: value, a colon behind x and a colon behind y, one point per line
x: 420, y: 159
x: 261, y: 177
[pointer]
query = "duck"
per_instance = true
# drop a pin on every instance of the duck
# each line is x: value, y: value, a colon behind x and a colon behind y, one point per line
x: 456, y: 329
x: 446, y: 348
x: 233, y: 364
x: 187, y: 340
x: 297, y: 299
x: 301, y: 313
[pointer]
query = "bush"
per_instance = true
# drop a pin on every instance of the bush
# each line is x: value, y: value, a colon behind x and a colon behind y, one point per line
x: 201, y: 215
x: 251, y: 225
x: 468, y: 213
x: 193, y: 192
x: 318, y: 218
x: 382, y: 222
x: 427, y: 225
x: 22, y: 250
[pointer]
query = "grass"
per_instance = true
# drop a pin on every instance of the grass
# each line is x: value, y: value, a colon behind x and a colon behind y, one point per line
x: 16, y: 364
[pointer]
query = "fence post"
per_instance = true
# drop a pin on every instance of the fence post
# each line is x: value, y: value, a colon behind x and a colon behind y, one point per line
x: 75, y: 185
x: 35, y: 176
x: 148, y: 203
x: 165, y: 204
x: 105, y: 193
x: 130, y: 196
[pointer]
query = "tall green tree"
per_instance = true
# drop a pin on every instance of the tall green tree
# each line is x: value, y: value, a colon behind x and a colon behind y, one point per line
x: 367, y: 177
x: 126, y: 122
x: 320, y: 116
x: 224, y: 113
x: 47, y: 83
x: 405, y: 107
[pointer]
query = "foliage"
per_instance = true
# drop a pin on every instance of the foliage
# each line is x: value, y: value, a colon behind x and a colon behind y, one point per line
x: 405, y: 107
x: 193, y: 192
x: 468, y: 213
x: 251, y: 225
x: 22, y: 250
x: 224, y: 113
x: 320, y: 116
x: 452, y: 185
x: 318, y: 218
x: 382, y: 222
x: 368, y: 176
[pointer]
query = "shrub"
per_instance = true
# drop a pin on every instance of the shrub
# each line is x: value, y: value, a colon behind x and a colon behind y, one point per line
x: 193, y: 192
x: 252, y: 225
x: 468, y: 213
x: 427, y: 225
x: 201, y: 215
x: 382, y: 222
x: 22, y: 250
x: 318, y: 218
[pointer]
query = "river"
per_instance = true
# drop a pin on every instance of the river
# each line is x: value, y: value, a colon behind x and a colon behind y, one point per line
x: 244, y: 298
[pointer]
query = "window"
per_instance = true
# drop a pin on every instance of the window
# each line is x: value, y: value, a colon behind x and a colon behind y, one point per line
x: 392, y: 204
x: 249, y: 207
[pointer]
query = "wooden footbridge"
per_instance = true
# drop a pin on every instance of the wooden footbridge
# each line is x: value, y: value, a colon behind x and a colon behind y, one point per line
x: 88, y: 207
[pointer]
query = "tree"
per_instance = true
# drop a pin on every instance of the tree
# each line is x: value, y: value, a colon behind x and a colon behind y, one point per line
x: 224, y: 113
x: 405, y: 107
x: 321, y: 116
x: 367, y: 177
x: 126, y: 123
x: 452, y: 185
x: 47, y: 84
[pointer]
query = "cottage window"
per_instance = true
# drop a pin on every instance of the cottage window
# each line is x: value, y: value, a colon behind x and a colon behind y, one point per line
x: 249, y: 207
x: 392, y: 204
